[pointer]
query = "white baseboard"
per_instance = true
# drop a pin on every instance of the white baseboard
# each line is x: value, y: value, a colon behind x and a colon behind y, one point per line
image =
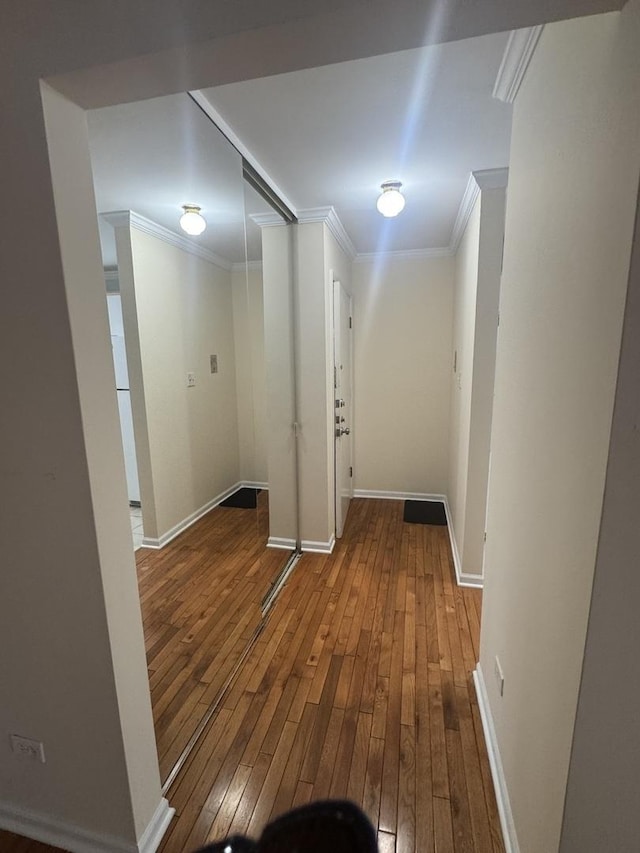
x: 280, y: 542
x: 181, y: 526
x: 462, y: 578
x: 313, y: 547
x: 497, y: 772
x: 57, y: 833
x: 158, y: 825
x: 396, y: 496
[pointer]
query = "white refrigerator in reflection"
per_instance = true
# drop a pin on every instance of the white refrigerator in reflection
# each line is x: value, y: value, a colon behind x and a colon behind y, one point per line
x: 126, y: 418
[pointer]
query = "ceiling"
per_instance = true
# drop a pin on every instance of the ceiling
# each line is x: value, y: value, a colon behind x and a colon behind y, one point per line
x: 326, y: 136
x: 330, y: 136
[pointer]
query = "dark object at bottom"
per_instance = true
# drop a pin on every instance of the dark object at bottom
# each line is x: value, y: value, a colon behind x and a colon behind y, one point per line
x: 424, y: 512
x: 331, y: 826
x: 242, y: 499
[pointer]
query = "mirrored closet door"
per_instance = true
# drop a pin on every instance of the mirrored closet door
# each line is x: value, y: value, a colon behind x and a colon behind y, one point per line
x: 208, y: 379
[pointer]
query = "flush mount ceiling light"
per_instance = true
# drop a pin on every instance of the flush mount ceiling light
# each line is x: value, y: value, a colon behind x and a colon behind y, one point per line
x: 390, y: 201
x: 192, y: 221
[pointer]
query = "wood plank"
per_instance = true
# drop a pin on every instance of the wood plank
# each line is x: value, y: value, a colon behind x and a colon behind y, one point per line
x: 473, y: 774
x: 264, y: 804
x: 463, y: 839
x: 442, y: 827
x: 406, y: 832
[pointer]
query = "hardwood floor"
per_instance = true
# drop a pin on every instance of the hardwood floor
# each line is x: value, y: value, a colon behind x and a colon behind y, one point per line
x: 200, y: 598
x: 358, y: 686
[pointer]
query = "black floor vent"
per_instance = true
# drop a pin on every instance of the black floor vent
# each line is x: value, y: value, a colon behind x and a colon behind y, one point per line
x: 244, y: 498
x: 424, y: 512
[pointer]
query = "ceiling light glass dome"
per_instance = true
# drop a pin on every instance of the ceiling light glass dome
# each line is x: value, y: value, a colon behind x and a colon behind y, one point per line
x: 390, y: 201
x: 192, y: 220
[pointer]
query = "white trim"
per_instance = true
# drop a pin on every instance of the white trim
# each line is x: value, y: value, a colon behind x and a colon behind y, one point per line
x: 130, y: 219
x: 482, y: 179
x: 469, y: 198
x: 331, y: 219
x: 57, y: 833
x: 497, y: 771
x: 253, y: 484
x: 281, y: 542
x: 318, y: 547
x: 156, y: 828
x: 462, y: 579
x: 202, y: 101
x: 515, y: 61
x: 397, y: 496
x: 492, y: 179
x: 267, y: 220
x: 160, y: 542
x: 409, y: 254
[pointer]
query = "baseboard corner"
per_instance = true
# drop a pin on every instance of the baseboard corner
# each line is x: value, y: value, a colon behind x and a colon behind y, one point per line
x: 314, y: 547
x: 158, y: 825
x: 281, y: 542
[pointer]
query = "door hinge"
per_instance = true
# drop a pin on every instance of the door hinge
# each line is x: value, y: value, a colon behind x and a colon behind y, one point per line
x: 350, y: 471
x: 485, y: 536
x: 350, y: 322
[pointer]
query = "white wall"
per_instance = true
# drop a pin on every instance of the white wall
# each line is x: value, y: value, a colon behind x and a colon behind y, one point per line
x: 464, y: 331
x: 475, y: 326
x: 315, y: 448
x: 601, y: 811
x: 184, y: 313
x: 492, y: 211
x: 73, y: 670
x: 248, y: 332
x: 402, y: 354
x: 279, y: 327
x: 575, y: 161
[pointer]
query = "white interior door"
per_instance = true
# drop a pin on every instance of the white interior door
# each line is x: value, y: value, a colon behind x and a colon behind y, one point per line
x: 343, y: 397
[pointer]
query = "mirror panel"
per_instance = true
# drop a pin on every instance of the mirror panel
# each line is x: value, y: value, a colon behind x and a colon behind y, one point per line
x: 189, y: 340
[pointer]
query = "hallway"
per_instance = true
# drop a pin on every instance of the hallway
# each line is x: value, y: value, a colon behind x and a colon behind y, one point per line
x: 359, y: 686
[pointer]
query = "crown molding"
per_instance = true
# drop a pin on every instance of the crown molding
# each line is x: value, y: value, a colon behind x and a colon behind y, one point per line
x: 483, y: 179
x: 492, y: 179
x: 471, y: 193
x: 409, y: 254
x: 331, y: 219
x: 130, y: 219
x: 515, y: 61
x: 267, y: 220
